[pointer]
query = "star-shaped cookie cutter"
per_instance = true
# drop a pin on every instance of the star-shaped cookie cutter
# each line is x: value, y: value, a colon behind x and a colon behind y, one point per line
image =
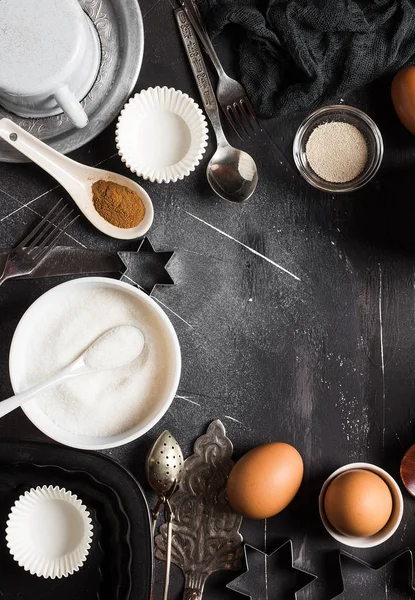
x: 146, y: 268
x: 255, y: 582
x: 406, y: 551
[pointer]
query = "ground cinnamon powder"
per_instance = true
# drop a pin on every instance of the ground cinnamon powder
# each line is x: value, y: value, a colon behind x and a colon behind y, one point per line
x: 117, y: 204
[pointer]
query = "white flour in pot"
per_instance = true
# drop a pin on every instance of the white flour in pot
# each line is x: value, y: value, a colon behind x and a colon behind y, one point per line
x: 109, y: 402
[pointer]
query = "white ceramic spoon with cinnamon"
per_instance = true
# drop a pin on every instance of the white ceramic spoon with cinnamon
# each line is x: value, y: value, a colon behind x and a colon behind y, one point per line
x: 77, y: 179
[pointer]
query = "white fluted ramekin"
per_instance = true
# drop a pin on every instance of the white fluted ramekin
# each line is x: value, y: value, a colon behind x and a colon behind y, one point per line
x: 49, y: 532
x: 161, y: 134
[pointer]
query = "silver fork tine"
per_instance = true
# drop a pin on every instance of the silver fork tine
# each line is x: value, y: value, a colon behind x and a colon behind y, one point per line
x: 244, y: 122
x: 246, y: 101
x: 229, y: 116
x: 56, y: 228
x: 231, y: 95
x: 49, y: 225
x: 236, y: 111
x: 23, y: 259
x: 57, y: 232
x: 247, y: 115
x: 34, y: 231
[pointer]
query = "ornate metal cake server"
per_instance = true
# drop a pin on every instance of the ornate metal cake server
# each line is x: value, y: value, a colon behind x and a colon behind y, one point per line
x: 206, y: 534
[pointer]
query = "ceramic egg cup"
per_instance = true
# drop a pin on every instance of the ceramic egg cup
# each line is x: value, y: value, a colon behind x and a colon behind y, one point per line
x: 391, y: 526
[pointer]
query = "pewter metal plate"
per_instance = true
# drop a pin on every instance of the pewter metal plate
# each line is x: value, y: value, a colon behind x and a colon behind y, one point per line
x: 120, y: 28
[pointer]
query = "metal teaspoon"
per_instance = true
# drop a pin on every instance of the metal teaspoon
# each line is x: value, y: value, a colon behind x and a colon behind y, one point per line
x: 231, y: 173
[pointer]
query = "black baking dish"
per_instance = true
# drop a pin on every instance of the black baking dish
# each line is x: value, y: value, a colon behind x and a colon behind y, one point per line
x: 119, y: 564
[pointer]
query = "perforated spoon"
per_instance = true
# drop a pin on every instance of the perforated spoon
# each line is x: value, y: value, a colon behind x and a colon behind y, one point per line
x: 77, y: 179
x: 163, y: 466
x: 125, y: 343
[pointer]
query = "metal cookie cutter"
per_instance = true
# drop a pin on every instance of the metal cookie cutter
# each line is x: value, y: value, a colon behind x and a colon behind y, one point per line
x: 410, y: 572
x: 146, y: 268
x: 261, y: 579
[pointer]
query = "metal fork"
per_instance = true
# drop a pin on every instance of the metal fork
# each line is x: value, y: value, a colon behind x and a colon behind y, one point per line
x: 231, y: 95
x: 23, y: 259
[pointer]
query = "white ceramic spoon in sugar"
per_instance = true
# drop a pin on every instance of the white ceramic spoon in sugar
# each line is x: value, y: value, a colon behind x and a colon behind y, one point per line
x: 77, y: 179
x: 115, y: 348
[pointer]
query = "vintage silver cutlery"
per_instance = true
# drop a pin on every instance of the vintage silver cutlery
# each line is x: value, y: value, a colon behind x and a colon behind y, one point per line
x: 231, y: 95
x: 163, y: 466
x: 231, y: 173
x: 23, y: 259
x: 71, y: 260
x: 206, y: 530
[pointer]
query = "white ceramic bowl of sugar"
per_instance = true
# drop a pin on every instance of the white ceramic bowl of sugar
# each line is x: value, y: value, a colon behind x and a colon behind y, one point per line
x: 57, y: 326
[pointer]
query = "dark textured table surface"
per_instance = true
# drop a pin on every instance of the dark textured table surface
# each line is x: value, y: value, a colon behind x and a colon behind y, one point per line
x: 319, y: 354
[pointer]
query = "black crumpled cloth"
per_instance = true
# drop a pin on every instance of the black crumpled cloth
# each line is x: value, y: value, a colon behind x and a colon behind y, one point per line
x: 300, y: 54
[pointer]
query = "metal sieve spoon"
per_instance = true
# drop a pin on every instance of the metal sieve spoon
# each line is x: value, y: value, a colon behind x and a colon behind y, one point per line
x: 163, y: 466
x: 95, y: 358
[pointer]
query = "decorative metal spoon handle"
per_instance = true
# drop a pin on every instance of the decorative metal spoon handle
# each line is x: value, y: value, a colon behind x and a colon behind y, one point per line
x: 169, y: 519
x: 195, y: 18
x: 200, y: 73
x: 154, y: 515
x: 168, y: 561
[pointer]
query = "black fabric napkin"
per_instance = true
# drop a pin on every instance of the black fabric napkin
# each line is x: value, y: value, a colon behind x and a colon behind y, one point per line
x: 300, y: 54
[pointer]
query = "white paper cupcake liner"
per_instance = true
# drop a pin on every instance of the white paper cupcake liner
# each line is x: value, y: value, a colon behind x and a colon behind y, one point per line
x: 49, y: 532
x: 161, y: 134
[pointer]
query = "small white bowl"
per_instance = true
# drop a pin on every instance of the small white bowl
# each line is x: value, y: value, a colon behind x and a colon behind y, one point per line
x: 49, y: 532
x: 391, y: 526
x: 20, y: 356
x: 161, y: 134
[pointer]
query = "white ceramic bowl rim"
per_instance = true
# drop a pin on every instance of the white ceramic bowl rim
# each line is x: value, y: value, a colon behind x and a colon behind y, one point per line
x: 391, y: 526
x: 46, y: 425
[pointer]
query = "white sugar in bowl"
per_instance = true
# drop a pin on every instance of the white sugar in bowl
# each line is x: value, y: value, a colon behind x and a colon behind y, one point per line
x: 111, y: 407
x: 50, y: 56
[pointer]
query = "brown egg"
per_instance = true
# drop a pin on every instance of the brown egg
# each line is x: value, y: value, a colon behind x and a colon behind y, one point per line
x: 265, y: 480
x: 358, y: 503
x: 403, y: 97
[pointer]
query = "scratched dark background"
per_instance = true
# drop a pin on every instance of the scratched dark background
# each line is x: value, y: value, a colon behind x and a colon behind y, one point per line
x: 323, y: 360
